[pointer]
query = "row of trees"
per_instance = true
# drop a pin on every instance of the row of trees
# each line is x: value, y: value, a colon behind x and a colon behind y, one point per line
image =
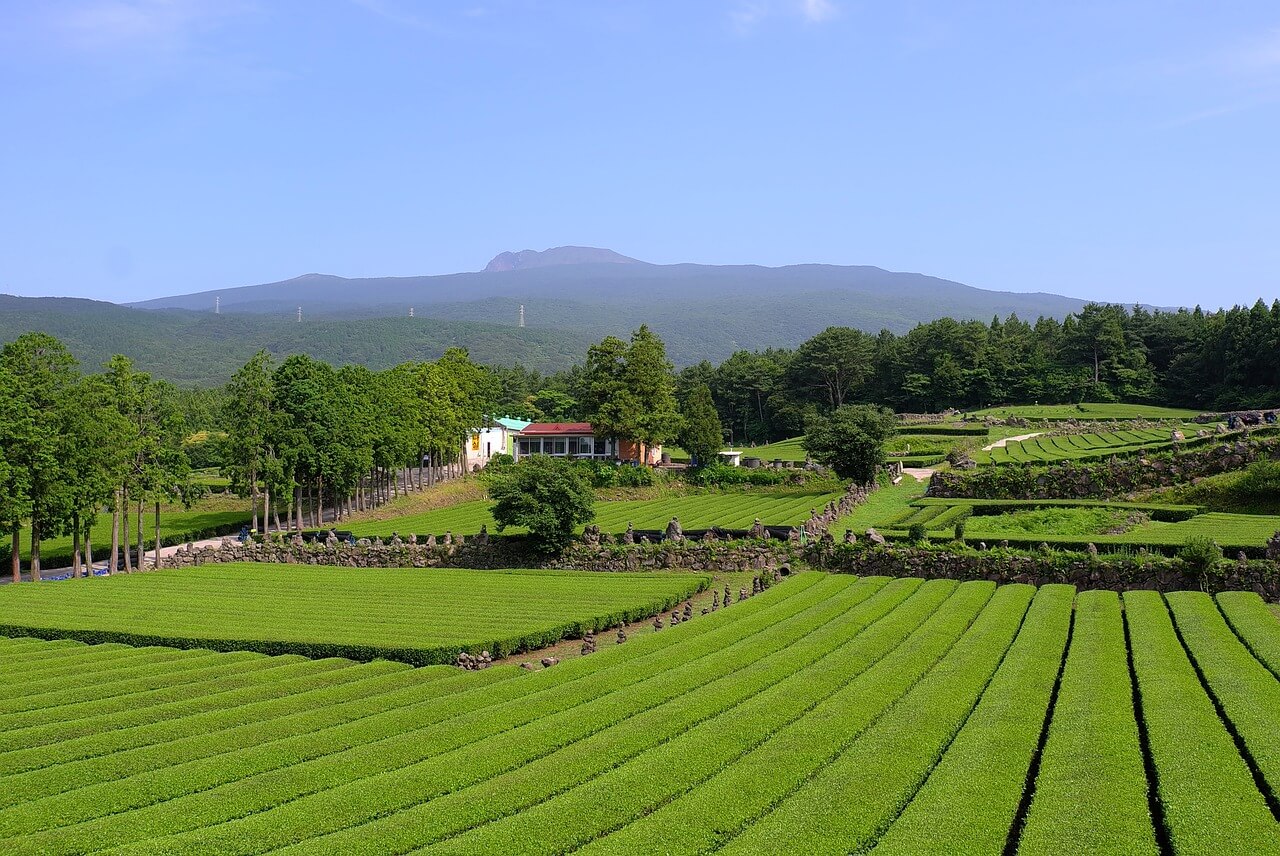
x: 313, y: 436
x: 1215, y: 360
x: 74, y: 444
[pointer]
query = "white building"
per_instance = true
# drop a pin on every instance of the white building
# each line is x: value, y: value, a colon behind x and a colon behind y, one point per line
x: 497, y: 438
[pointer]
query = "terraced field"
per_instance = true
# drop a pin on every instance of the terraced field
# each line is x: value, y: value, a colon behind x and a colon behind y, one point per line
x: 1168, y: 526
x: 1116, y: 410
x: 698, y: 511
x: 828, y: 715
x: 1075, y: 447
x: 414, y: 615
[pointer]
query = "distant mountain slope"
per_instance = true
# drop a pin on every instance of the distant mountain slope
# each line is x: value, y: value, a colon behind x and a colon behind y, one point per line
x: 703, y: 311
x: 557, y: 256
x: 203, y: 348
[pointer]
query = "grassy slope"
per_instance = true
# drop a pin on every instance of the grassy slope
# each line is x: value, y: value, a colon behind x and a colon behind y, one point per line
x: 217, y: 512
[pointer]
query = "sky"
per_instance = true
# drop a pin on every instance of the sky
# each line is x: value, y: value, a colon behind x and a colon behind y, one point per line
x: 1119, y: 150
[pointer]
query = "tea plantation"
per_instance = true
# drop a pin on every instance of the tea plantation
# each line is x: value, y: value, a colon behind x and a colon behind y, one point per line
x: 414, y: 615
x: 829, y: 714
x: 698, y: 511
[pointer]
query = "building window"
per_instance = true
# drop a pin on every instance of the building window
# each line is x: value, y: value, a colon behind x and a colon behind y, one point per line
x: 557, y: 447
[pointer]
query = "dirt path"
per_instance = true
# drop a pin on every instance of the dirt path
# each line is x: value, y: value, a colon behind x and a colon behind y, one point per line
x: 1000, y: 444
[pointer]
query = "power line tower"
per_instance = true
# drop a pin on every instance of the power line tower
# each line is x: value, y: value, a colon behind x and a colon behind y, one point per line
x: 217, y: 305
x: 521, y: 314
x: 299, y: 314
x: 410, y: 311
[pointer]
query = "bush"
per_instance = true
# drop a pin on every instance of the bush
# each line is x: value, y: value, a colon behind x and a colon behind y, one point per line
x: 960, y: 529
x: 549, y: 496
x: 1261, y: 480
x: 1201, y: 554
x: 720, y: 475
x: 918, y: 533
x: 628, y: 476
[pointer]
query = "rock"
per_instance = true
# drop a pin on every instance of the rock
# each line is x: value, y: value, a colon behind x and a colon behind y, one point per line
x: 875, y: 537
x: 674, y: 531
x: 548, y: 662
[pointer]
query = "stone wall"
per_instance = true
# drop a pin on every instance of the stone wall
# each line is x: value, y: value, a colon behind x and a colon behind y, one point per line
x: 1150, y: 572
x: 1084, y: 572
x: 1111, y: 477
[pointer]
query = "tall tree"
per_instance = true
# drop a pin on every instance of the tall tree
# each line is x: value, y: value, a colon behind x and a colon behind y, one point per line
x: 249, y: 416
x: 832, y: 365
x: 42, y: 371
x: 701, y: 435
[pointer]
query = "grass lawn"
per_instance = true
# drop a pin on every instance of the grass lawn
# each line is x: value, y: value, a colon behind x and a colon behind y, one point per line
x: 883, y: 505
x: 1087, y: 411
x: 696, y: 511
x: 416, y: 615
x: 213, y: 514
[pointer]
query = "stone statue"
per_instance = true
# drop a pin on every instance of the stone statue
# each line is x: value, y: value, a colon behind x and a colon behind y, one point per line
x: 483, y: 537
x: 849, y: 537
x: 758, y: 530
x: 674, y: 531
x: 448, y: 538
x: 629, y: 537
x: 431, y: 541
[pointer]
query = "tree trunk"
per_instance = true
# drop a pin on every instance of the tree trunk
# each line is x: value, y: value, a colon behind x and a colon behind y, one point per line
x: 35, y: 551
x: 88, y: 545
x: 128, y: 548
x: 15, y: 554
x: 253, y: 496
x: 320, y: 502
x: 114, y: 561
x: 142, y: 541
x: 266, y: 509
x: 76, y: 568
x: 157, y: 534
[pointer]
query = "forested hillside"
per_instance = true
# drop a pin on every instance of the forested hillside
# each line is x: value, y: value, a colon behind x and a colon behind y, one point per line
x: 203, y: 348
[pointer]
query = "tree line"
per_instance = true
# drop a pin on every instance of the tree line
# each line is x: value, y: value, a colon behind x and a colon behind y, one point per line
x: 1190, y: 358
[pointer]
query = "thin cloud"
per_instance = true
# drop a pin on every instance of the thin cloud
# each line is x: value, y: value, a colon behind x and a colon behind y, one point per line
x: 817, y: 11
x: 142, y: 23
x: 745, y: 15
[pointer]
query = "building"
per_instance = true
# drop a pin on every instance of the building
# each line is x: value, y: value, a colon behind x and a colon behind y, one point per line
x: 579, y: 440
x: 496, y: 438
x: 563, y: 439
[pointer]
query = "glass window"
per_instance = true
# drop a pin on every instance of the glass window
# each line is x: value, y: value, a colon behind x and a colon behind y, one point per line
x: 573, y: 445
x: 557, y: 447
x: 602, y: 446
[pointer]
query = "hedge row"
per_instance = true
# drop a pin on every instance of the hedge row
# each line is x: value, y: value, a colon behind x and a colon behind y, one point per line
x: 874, y: 779
x: 472, y: 787
x: 970, y: 800
x: 1091, y: 793
x: 1209, y: 800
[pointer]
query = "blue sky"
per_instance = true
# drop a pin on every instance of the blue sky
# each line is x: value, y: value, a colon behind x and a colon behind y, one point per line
x: 1116, y: 150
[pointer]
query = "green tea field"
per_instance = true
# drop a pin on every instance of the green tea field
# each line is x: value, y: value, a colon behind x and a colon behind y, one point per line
x: 415, y: 615
x: 829, y: 714
x: 1076, y: 447
x: 1064, y: 522
x: 698, y: 511
x: 1086, y: 411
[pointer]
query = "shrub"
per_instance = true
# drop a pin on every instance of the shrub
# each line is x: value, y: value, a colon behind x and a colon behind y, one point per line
x: 918, y: 533
x: 549, y: 496
x: 633, y: 476
x: 960, y: 529
x: 1261, y: 480
x: 1201, y: 554
x: 718, y: 475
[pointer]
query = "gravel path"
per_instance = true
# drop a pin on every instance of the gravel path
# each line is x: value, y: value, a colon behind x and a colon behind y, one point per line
x: 1000, y: 444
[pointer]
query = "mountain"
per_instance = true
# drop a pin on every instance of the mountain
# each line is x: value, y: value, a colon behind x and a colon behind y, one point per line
x: 702, y: 311
x: 556, y: 256
x: 206, y: 349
